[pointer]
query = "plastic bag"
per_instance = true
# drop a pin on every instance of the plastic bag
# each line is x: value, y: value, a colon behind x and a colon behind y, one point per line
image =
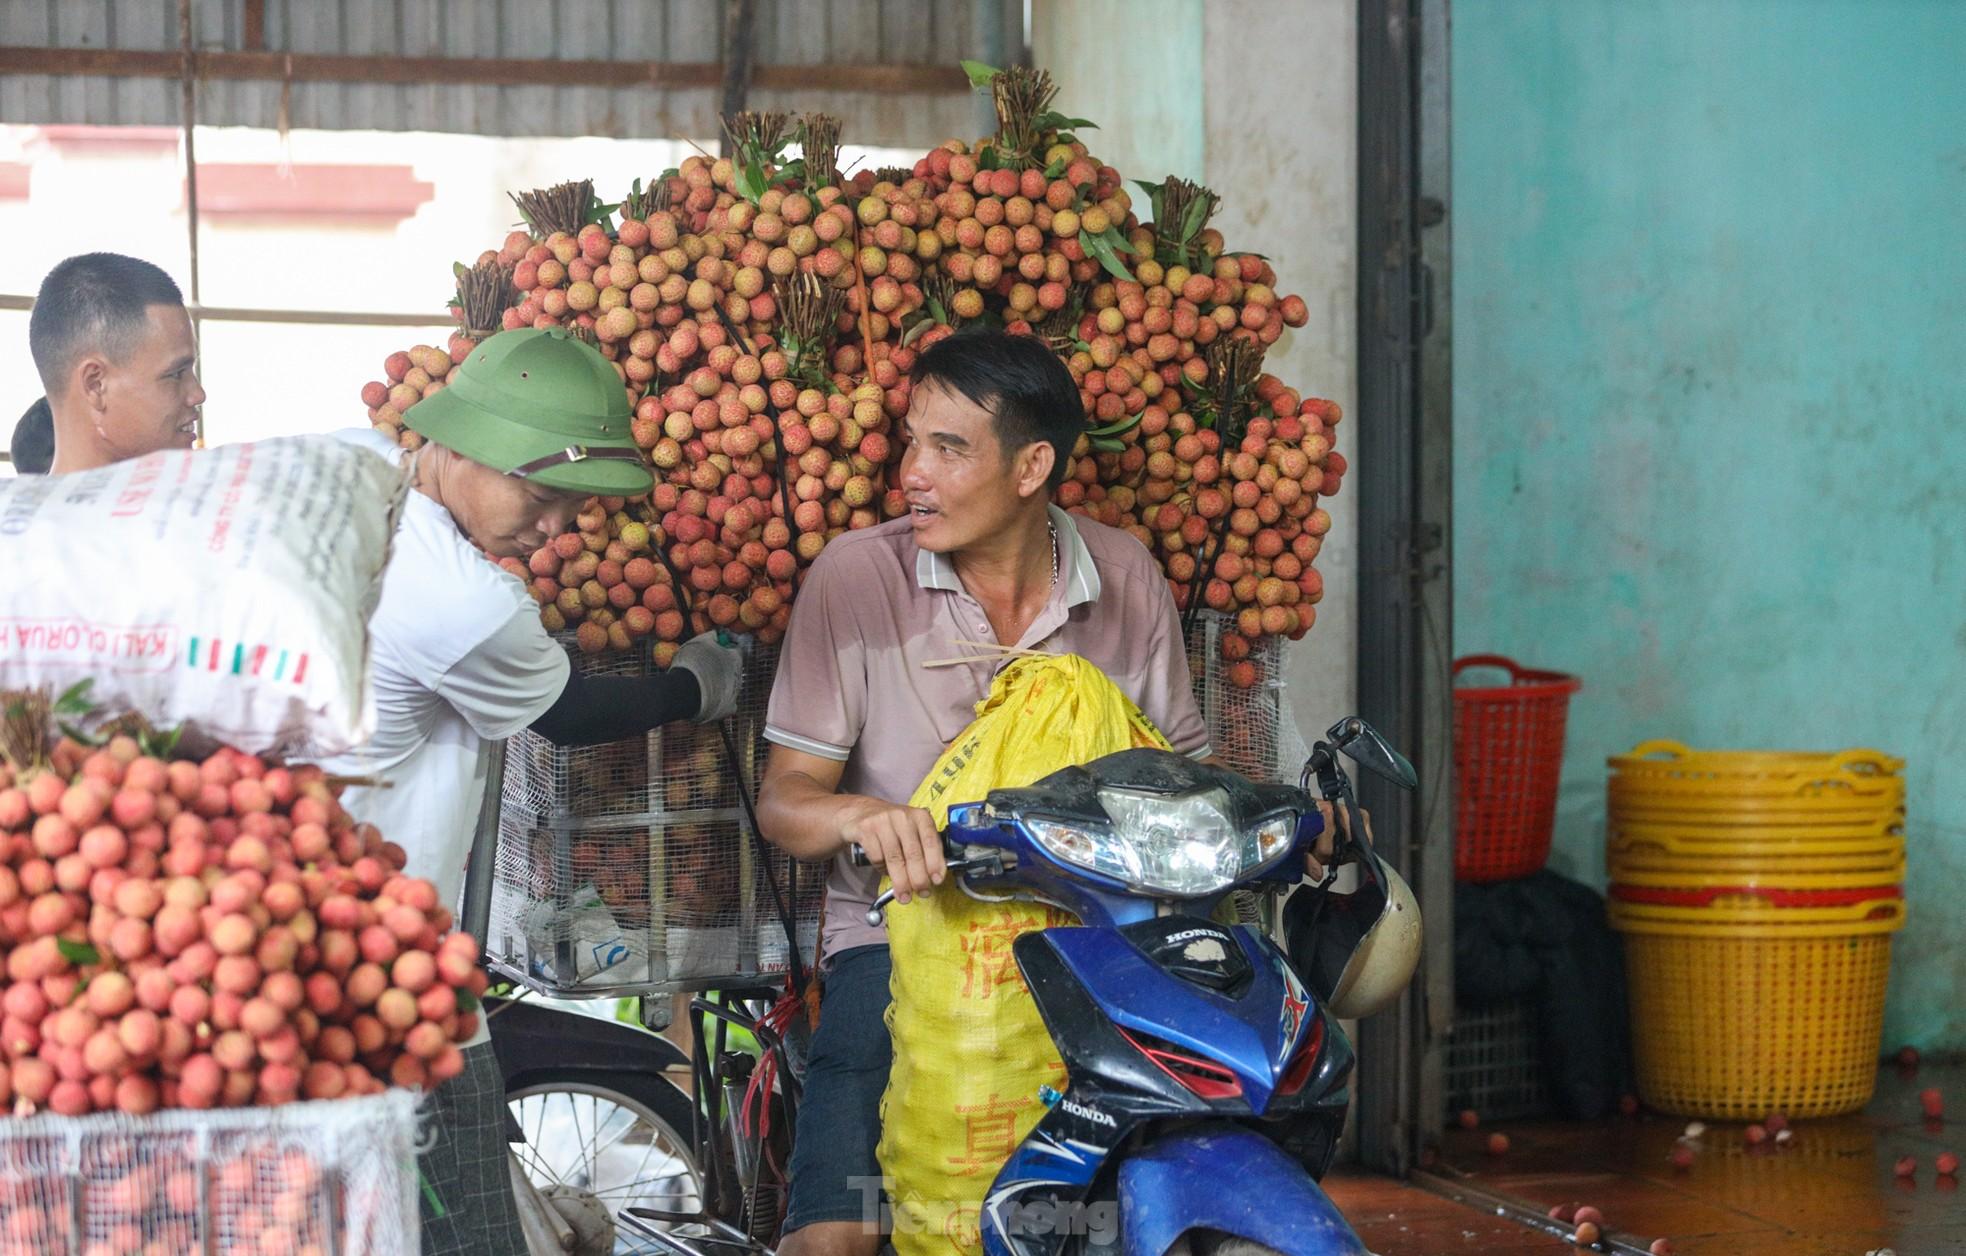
x: 970, y: 1050
x: 229, y: 588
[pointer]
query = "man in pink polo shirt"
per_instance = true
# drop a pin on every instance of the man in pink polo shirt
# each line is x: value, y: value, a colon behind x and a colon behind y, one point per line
x: 856, y: 721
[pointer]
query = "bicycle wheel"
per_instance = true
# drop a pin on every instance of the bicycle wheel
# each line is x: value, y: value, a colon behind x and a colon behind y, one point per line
x: 607, y: 1141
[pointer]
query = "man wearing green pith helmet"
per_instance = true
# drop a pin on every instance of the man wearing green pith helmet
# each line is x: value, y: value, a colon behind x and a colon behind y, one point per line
x: 529, y: 427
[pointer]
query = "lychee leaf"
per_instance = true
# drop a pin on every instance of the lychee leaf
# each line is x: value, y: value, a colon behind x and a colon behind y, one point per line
x: 76, y: 733
x: 460, y: 270
x: 75, y: 699
x: 1119, y: 426
x: 1052, y: 121
x: 980, y: 74
x: 1197, y: 215
x: 1107, y: 445
x: 1153, y: 196
x: 161, y: 745
x: 1055, y: 170
x: 914, y: 333
x: 936, y: 309
x: 80, y: 954
x: 1099, y: 246
x: 1118, y: 242
x: 466, y: 1001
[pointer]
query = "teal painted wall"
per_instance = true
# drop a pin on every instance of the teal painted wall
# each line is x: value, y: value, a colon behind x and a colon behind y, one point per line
x: 1710, y: 395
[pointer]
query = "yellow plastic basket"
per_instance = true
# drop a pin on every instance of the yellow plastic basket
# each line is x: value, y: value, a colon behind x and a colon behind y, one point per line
x: 1663, y: 850
x: 1669, y: 766
x: 1860, y: 869
x: 1827, y: 808
x: 1695, y: 795
x: 1773, y: 876
x: 1735, y: 1025
x: 1746, y: 917
x: 1692, y: 831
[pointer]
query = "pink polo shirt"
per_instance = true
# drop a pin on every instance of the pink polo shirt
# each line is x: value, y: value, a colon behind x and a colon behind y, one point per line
x: 875, y: 606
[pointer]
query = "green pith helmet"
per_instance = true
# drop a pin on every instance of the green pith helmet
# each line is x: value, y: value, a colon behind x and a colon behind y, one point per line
x: 542, y: 406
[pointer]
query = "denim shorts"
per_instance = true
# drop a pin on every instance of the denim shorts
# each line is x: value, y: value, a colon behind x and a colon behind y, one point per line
x: 835, y: 1174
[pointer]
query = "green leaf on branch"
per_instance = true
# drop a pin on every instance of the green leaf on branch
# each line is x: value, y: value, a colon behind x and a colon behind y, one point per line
x: 1153, y: 191
x: 1101, y: 247
x: 600, y: 211
x: 75, y: 699
x: 936, y: 311
x: 1118, y: 242
x: 916, y: 329
x: 80, y: 954
x: 980, y: 74
x: 1055, y: 170
x: 460, y: 270
x: 466, y: 1001
x: 1050, y: 120
x: 1197, y: 215
x: 1107, y: 445
x: 1118, y: 427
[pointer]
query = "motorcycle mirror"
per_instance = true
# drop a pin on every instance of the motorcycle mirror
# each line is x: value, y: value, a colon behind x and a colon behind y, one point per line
x: 1363, y: 744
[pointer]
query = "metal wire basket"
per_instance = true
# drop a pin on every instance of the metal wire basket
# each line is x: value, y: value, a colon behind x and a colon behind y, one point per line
x: 630, y: 868
x: 336, y: 1176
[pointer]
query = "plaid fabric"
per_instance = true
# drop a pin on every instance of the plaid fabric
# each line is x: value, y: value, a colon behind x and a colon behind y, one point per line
x: 464, y: 1163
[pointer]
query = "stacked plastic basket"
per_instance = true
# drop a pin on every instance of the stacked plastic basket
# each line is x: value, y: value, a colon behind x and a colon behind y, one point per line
x: 1757, y: 893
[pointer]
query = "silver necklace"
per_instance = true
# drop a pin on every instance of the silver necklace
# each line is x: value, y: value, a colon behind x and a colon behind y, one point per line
x: 1053, y: 529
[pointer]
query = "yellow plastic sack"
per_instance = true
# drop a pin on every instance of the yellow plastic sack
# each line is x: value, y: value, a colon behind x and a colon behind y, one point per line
x: 970, y: 1050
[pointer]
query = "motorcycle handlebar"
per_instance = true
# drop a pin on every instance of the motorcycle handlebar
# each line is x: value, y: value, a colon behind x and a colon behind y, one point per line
x: 856, y: 854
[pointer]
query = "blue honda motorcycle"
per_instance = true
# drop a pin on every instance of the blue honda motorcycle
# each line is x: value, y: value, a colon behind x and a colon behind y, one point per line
x: 1207, y: 1076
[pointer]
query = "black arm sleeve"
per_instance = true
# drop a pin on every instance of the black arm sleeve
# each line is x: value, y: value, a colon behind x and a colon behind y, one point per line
x: 596, y: 709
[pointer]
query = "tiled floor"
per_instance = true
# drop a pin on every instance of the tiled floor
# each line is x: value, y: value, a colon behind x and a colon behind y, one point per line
x: 1396, y: 1219
x: 1831, y: 1191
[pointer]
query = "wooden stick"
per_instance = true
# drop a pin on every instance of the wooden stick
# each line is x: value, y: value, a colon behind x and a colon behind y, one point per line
x: 994, y: 645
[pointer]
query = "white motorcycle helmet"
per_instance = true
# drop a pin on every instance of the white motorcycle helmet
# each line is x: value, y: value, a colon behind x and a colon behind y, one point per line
x: 1357, y: 950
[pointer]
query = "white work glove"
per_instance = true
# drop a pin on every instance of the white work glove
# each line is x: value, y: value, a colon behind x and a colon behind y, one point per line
x: 719, y: 670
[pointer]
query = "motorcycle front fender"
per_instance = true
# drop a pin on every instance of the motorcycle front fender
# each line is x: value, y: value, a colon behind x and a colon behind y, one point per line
x: 1229, y: 1179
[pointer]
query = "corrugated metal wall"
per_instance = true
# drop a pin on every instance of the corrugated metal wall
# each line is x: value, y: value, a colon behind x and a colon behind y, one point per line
x: 789, y: 32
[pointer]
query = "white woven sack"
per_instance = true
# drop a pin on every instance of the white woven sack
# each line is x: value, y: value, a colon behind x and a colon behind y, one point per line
x: 229, y: 589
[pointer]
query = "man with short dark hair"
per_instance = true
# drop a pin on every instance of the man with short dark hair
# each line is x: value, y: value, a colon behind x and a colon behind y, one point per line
x: 113, y: 344
x: 32, y: 450
x: 856, y: 721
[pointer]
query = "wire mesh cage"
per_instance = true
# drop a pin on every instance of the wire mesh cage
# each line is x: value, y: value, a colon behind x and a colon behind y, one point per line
x: 630, y: 868
x: 336, y: 1177
x: 1246, y: 709
x: 1494, y: 1065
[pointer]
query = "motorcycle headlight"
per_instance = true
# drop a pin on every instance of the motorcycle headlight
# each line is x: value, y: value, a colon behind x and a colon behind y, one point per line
x: 1185, y: 846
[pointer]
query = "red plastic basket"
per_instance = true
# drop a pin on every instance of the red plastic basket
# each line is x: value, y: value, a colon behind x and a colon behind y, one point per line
x: 1508, y: 754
